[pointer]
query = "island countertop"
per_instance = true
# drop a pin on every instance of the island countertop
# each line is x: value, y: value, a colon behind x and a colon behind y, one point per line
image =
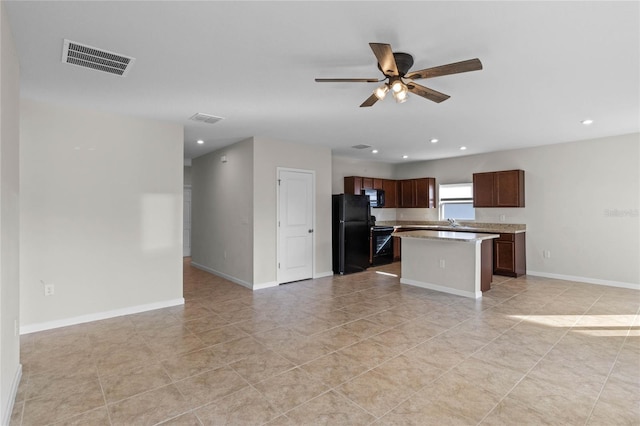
x: 446, y: 235
x: 464, y: 226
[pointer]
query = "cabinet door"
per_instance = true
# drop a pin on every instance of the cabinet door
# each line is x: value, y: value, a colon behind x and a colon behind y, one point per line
x: 367, y: 183
x: 407, y: 193
x: 483, y: 189
x: 396, y: 248
x: 378, y: 183
x: 422, y: 192
x: 504, y: 255
x: 352, y: 185
x: 390, y: 193
x: 425, y: 189
x: 509, y: 188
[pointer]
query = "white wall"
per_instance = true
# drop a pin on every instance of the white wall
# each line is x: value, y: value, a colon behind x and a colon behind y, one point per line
x: 10, y: 368
x: 234, y: 209
x: 222, y: 212
x: 573, y: 191
x: 187, y: 175
x: 101, y: 214
x: 344, y: 166
x: 271, y: 154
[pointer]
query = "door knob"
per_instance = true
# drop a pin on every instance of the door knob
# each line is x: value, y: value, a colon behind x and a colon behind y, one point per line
x: 311, y: 231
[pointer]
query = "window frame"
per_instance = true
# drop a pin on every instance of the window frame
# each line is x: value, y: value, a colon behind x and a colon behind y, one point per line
x: 455, y: 200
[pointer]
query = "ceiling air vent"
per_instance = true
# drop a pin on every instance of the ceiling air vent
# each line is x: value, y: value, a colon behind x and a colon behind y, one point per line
x: 100, y: 60
x: 205, y: 118
x: 361, y: 146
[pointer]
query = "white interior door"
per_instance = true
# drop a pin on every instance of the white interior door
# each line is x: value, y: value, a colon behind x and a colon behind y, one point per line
x: 295, y: 225
x: 186, y: 222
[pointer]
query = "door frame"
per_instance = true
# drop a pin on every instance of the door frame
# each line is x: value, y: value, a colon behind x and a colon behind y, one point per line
x: 279, y: 170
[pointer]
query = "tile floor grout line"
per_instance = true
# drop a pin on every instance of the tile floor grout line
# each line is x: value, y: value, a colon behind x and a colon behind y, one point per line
x: 613, y: 365
x: 534, y: 366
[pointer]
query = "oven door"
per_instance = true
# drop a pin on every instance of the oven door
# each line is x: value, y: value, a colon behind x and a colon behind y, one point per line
x: 381, y: 246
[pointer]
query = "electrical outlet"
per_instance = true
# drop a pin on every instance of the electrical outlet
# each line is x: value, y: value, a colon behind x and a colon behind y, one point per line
x: 48, y: 290
x: 442, y: 263
x: 503, y: 217
x: 546, y: 254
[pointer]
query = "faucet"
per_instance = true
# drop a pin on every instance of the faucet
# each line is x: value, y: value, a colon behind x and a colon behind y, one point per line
x: 452, y: 222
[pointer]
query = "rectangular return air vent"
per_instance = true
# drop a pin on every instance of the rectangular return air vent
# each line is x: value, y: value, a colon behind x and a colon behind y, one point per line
x: 98, y: 59
x: 205, y: 118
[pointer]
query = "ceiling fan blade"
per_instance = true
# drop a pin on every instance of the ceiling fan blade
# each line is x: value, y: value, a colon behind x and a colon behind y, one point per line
x: 347, y: 80
x: 370, y: 101
x: 455, y: 68
x: 386, y: 61
x: 425, y: 92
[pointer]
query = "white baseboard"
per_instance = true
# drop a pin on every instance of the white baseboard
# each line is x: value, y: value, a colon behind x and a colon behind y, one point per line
x: 471, y: 294
x: 265, y: 285
x: 323, y: 274
x: 32, y: 328
x: 8, y: 408
x: 223, y: 275
x: 587, y: 280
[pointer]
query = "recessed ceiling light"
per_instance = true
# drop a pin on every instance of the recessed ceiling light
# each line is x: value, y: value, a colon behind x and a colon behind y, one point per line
x: 375, y: 151
x: 587, y: 121
x: 434, y: 140
x: 200, y: 141
x: 405, y: 156
x: 462, y: 148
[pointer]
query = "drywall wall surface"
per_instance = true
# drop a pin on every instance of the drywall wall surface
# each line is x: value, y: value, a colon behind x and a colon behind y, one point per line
x: 10, y: 368
x: 271, y: 154
x: 100, y: 211
x: 222, y: 212
x: 582, y: 202
x: 344, y: 166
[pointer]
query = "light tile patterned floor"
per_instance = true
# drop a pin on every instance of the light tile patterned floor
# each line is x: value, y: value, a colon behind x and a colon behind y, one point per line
x: 351, y: 350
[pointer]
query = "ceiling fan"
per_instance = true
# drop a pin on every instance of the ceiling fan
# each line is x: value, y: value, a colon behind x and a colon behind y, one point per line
x: 395, y: 67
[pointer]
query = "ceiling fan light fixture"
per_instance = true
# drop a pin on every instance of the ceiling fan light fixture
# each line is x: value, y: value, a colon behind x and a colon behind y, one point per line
x: 397, y: 86
x: 402, y: 95
x: 381, y: 92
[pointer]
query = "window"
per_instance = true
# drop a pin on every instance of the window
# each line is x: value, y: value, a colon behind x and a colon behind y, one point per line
x: 456, y: 201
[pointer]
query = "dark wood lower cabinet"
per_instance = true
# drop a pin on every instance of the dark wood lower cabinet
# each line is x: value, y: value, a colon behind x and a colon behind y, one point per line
x: 396, y: 248
x: 486, y: 265
x: 509, y: 256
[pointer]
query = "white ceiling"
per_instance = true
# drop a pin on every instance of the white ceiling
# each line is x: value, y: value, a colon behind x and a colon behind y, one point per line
x: 547, y: 66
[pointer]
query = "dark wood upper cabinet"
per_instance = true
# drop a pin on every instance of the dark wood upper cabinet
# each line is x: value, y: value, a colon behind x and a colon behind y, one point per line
x: 353, y: 185
x: 498, y: 189
x: 417, y: 193
x: 390, y: 188
x: 397, y: 193
x: 406, y: 196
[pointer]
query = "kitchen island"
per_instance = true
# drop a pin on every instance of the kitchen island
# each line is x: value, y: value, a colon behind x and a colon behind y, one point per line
x: 452, y: 262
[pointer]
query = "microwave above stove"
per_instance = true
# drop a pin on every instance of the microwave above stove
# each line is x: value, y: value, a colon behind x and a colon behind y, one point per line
x: 376, y: 197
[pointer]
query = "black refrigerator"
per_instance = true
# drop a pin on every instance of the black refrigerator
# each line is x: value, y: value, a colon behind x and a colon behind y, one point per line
x: 351, y: 230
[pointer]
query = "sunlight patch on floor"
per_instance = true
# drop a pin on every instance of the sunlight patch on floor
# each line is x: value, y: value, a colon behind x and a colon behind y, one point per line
x: 593, y: 325
x: 389, y: 274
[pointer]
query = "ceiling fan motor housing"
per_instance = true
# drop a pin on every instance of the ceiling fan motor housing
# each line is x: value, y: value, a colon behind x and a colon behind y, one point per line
x: 404, y: 62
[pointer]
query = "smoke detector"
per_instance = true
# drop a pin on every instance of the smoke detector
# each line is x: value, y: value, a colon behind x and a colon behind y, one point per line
x: 97, y: 59
x: 361, y: 146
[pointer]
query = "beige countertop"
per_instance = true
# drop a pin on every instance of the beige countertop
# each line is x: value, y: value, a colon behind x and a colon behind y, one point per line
x: 469, y: 237
x: 498, y: 228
